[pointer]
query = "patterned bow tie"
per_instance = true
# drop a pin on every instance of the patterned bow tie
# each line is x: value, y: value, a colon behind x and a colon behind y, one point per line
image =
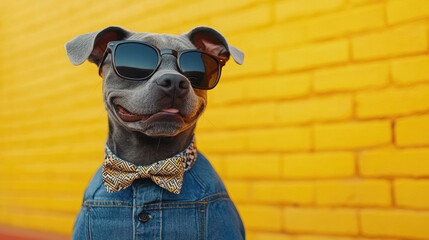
x: 119, y: 174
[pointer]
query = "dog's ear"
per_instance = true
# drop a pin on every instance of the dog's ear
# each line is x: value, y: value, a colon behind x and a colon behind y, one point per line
x: 92, y: 45
x: 209, y: 40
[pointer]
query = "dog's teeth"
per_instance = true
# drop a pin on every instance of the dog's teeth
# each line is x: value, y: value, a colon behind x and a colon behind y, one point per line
x: 170, y: 110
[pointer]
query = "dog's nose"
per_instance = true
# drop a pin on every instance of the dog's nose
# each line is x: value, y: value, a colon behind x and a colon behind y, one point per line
x: 173, y: 84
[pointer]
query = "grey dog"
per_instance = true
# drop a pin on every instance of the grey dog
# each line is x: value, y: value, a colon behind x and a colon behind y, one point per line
x: 148, y: 121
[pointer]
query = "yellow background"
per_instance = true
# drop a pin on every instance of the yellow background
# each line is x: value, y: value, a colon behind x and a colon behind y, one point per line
x: 323, y: 133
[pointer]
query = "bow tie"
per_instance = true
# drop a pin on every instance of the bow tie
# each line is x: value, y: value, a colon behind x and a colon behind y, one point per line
x: 119, y: 174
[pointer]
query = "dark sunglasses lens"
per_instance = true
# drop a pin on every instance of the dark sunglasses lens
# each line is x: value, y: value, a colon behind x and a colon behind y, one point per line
x: 201, y: 69
x: 135, y: 60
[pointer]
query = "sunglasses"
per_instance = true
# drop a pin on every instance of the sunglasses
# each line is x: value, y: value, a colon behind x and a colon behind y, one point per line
x: 136, y: 60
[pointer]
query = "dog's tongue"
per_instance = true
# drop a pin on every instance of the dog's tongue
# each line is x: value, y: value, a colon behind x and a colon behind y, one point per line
x: 170, y: 110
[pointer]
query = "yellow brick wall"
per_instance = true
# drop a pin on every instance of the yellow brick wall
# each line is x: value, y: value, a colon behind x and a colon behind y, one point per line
x: 321, y: 134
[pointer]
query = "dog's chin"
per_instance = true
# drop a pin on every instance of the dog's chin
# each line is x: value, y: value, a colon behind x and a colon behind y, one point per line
x: 162, y: 131
x: 168, y: 126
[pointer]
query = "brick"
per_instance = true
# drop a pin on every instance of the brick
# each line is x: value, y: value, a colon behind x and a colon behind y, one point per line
x: 395, y: 163
x: 361, y: 2
x: 352, y: 77
x: 52, y: 169
x: 239, y: 191
x: 395, y: 223
x: 410, y: 70
x: 398, y: 11
x: 412, y: 131
x: 353, y: 193
x: 253, y: 215
x: 217, y: 161
x: 259, y: 63
x: 398, y: 41
x: 267, y: 236
x: 316, y: 237
x: 11, y: 232
x: 335, y: 221
x: 412, y: 193
x: 41, y: 221
x: 349, y: 21
x: 44, y: 186
x: 258, y: 114
x: 294, y: 8
x: 221, y: 141
x: 281, y: 139
x: 180, y: 28
x: 314, y: 165
x: 249, y: 166
x: 226, y: 92
x: 45, y: 203
x: 239, y: 116
x: 192, y: 11
x: 275, y: 35
x: 256, y: 16
x: 390, y: 102
x: 277, y: 86
x: 335, y: 107
x: 324, y: 237
x: 283, y: 192
x: 238, y: 4
x: 352, y: 135
x: 313, y: 55
x: 56, y: 154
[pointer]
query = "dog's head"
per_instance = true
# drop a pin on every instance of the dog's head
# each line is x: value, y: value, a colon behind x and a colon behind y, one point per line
x: 164, y: 103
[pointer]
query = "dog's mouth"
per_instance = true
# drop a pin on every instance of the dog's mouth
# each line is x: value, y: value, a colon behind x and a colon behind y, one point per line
x: 128, y: 116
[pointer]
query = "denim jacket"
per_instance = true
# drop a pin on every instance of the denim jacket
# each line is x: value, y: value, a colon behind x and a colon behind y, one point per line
x: 203, y: 210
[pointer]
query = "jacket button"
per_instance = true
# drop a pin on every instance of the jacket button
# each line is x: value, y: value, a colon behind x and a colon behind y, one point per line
x: 144, y: 217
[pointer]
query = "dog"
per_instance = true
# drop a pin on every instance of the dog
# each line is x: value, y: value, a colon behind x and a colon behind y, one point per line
x: 154, y: 183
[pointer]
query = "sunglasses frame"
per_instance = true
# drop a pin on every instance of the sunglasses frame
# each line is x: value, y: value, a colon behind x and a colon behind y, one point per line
x: 113, y: 45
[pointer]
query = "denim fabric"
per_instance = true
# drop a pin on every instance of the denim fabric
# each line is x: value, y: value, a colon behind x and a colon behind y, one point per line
x: 203, y: 210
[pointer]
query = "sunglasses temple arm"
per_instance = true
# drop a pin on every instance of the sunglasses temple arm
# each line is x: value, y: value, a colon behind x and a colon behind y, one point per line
x: 102, y: 62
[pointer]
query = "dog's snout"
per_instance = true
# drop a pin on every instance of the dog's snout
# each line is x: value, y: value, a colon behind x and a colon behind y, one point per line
x: 173, y: 84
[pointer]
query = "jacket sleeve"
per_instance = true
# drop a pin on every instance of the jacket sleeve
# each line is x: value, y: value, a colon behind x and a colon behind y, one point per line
x: 223, y: 221
x: 80, y: 230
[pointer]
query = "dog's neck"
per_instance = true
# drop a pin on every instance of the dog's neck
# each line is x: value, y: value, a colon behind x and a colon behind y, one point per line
x: 140, y: 149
